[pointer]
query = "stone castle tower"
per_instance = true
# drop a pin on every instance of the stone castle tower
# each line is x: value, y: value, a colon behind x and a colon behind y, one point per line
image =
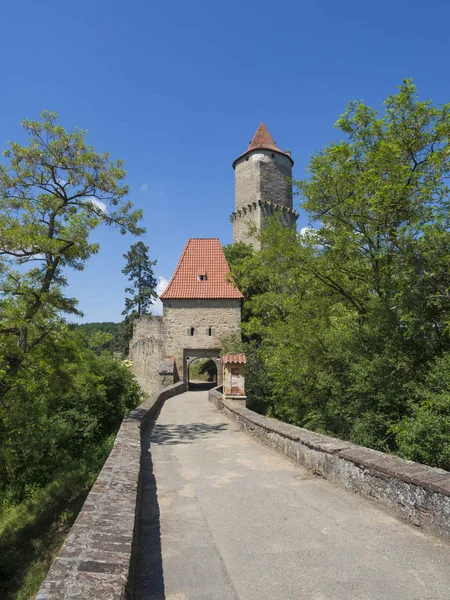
x: 262, y: 188
x: 201, y: 306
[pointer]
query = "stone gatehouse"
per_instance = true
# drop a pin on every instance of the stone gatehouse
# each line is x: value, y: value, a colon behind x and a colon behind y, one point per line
x: 200, y: 308
x: 200, y: 305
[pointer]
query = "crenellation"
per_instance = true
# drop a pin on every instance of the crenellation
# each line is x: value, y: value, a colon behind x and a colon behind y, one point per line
x: 263, y: 187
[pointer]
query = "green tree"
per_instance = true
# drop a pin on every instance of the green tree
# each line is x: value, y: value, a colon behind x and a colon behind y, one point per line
x: 381, y: 203
x: 53, y: 193
x: 236, y: 253
x: 346, y: 319
x: 139, y: 269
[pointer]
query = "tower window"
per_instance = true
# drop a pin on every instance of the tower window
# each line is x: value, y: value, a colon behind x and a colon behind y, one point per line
x: 210, y: 331
x: 191, y: 331
x: 273, y: 155
x: 202, y: 277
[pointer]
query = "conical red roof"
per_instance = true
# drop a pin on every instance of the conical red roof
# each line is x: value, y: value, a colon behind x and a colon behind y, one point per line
x: 262, y: 140
x: 202, y: 272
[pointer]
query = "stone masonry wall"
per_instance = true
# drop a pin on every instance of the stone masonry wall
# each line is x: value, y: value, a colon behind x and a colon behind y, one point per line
x: 245, y: 223
x: 415, y: 492
x: 147, y: 352
x: 223, y: 316
x: 249, y: 222
x: 275, y: 185
x: 263, y: 177
x: 96, y: 559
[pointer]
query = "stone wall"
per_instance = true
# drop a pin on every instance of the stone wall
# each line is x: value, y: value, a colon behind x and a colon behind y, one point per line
x: 262, y: 180
x: 147, y: 352
x: 247, y: 221
x: 275, y: 180
x: 263, y: 175
x: 95, y: 561
x: 222, y: 316
x: 415, y: 492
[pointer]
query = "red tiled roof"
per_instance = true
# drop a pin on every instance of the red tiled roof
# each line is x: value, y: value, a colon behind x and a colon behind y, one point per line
x: 234, y: 359
x: 201, y: 256
x: 262, y: 140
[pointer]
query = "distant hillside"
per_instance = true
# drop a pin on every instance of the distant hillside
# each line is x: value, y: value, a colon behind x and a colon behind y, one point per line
x: 115, y: 329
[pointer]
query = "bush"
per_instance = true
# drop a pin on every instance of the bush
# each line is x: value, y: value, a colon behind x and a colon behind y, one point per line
x: 424, y: 435
x: 68, y: 401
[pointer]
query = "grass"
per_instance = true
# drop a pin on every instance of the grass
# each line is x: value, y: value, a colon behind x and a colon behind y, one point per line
x: 31, y: 533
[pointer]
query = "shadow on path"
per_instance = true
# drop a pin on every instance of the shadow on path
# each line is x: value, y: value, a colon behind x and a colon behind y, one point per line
x: 201, y: 386
x: 148, y: 581
x: 183, y: 434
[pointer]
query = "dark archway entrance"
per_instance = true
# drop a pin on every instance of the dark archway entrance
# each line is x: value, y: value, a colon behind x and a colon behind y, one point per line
x: 202, y: 374
x: 212, y: 369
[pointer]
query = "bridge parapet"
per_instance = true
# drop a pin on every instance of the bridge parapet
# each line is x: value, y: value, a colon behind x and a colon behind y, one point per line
x: 96, y: 559
x: 415, y: 492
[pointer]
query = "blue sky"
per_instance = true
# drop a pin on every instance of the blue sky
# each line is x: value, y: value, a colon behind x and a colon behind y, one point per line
x: 177, y: 90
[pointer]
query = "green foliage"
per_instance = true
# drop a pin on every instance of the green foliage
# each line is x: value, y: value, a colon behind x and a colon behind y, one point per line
x: 32, y: 532
x: 68, y: 400
x: 203, y: 370
x: 103, y: 336
x: 62, y: 395
x: 53, y: 193
x: 423, y: 435
x: 53, y: 440
x: 343, y: 322
x: 236, y: 253
x: 139, y: 269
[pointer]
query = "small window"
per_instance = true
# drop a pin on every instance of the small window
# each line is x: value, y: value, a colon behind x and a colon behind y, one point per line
x: 202, y: 277
x: 273, y: 155
x: 210, y: 331
x: 191, y: 331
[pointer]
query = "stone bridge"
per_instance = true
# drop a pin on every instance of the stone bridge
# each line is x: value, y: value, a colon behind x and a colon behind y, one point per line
x: 203, y: 499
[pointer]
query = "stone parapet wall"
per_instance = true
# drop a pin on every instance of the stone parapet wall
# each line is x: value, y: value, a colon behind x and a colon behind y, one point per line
x: 415, y: 492
x: 95, y: 561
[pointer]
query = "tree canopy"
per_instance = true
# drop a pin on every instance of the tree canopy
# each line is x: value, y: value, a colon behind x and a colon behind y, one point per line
x: 62, y: 394
x: 139, y: 269
x: 53, y: 193
x: 347, y: 323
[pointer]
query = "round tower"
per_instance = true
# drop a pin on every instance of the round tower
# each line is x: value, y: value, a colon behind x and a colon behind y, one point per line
x: 262, y: 187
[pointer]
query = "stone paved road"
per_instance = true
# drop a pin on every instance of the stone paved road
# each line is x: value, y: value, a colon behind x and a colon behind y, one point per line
x: 226, y: 518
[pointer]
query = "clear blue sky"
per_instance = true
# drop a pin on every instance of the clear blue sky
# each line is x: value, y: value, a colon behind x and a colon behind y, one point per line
x: 177, y: 90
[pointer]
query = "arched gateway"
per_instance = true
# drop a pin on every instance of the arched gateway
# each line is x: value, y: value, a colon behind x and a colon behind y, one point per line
x: 200, y: 308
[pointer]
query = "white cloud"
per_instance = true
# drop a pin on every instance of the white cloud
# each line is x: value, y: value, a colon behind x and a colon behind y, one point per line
x: 145, y: 188
x: 157, y: 308
x: 307, y: 230
x: 101, y: 205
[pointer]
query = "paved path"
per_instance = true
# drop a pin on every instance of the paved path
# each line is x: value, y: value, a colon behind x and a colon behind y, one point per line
x: 231, y: 519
